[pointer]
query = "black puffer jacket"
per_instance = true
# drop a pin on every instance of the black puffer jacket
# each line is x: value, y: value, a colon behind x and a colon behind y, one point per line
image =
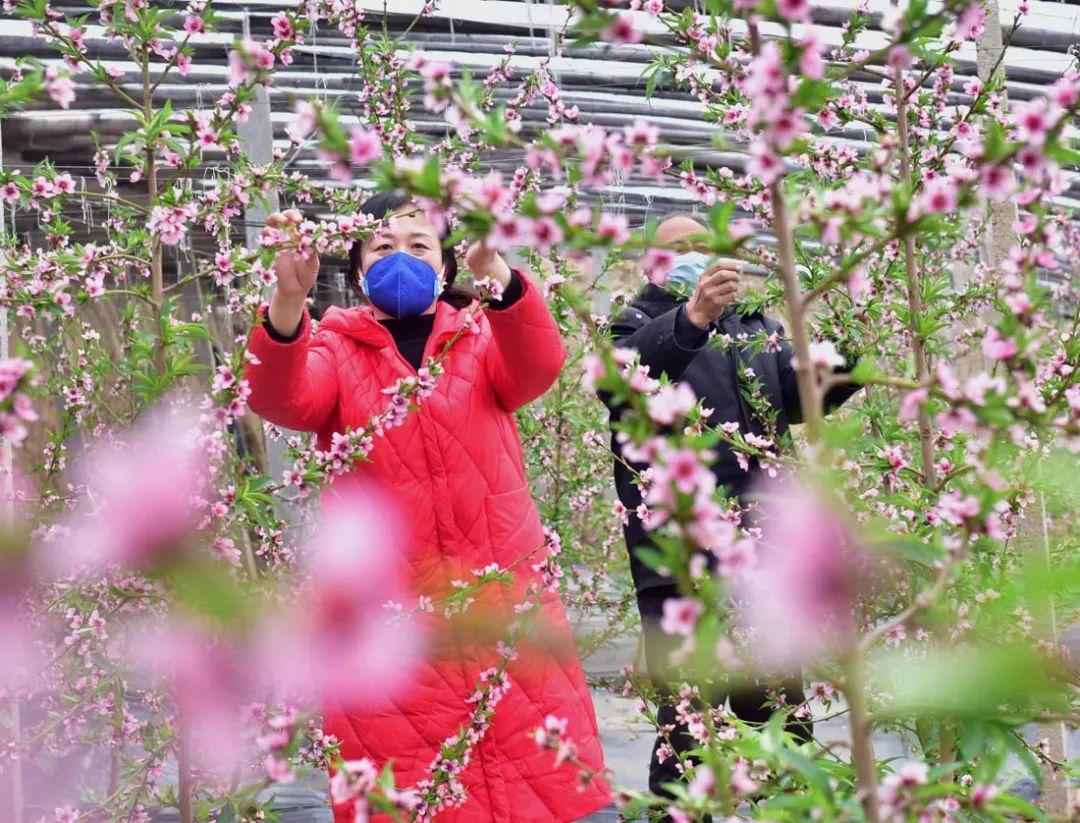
x: 656, y: 326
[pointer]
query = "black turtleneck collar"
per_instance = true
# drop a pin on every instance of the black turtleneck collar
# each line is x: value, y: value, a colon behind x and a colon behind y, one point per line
x: 410, y: 335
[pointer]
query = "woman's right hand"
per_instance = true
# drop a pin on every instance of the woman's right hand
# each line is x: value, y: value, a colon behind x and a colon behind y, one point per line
x: 295, y: 277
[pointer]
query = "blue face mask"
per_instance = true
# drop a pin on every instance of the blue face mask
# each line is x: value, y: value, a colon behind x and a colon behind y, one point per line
x: 401, y: 285
x: 686, y: 271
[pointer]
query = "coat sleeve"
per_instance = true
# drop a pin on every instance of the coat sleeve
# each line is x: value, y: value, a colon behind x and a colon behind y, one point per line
x: 656, y: 340
x: 293, y: 384
x: 526, y: 351
x: 789, y: 381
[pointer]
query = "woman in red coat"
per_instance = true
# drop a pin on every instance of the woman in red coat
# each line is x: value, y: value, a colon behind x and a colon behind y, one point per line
x: 455, y: 467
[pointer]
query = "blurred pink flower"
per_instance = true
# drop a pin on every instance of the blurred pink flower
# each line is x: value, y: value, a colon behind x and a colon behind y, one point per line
x: 671, y: 402
x: 765, y: 165
x: 794, y: 10
x: 680, y: 616
x: 61, y: 87
x: 613, y: 227
x: 824, y: 355
x: 858, y: 285
x: 895, y: 790
x: 340, y: 640
x: 741, y: 782
x: 546, y: 233
x: 955, y: 509
x: 797, y: 602
x: 238, y: 72
x: 704, y: 782
x: 677, y: 815
x: 12, y: 371
x: 1066, y: 91
x: 910, y: 403
x: 1033, y: 120
x: 812, y: 62
x: 969, y: 23
x: 996, y: 347
x: 997, y: 182
x: 594, y: 369
x: 139, y: 506
x: 657, y: 265
x: 939, y: 195
x: 364, y: 146
x: 510, y: 232
x: 303, y: 123
x: 209, y: 679
x: 20, y: 658
x: 684, y: 470
x: 982, y: 794
x: 621, y: 30
x: 739, y: 229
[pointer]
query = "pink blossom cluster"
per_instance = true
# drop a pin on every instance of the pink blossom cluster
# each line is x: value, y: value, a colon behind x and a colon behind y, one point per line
x: 599, y: 155
x: 444, y: 788
x: 250, y: 55
x: 805, y: 556
x: 797, y: 601
x: 899, y: 793
x: 354, y: 781
x: 364, y: 146
x: 550, y: 570
x: 148, y: 521
x: 16, y: 408
x: 60, y: 86
x: 171, y: 223
x: 436, y: 77
x: 552, y: 735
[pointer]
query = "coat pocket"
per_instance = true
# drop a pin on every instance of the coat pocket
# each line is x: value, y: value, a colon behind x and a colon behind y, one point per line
x: 514, y: 526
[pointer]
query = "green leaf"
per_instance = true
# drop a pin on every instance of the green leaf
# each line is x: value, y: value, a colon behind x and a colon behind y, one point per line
x: 719, y: 218
x: 865, y: 371
x: 915, y: 550
x: 195, y: 331
x: 122, y: 143
x: 650, y: 557
x: 208, y: 591
x: 971, y: 739
x: 842, y: 431
x: 654, y: 76
x: 810, y: 770
x: 1019, y: 748
x: 916, y: 13
x: 972, y: 682
x: 427, y: 183
x: 386, y: 778
x: 813, y: 94
x: 1063, y: 154
x: 994, y: 144
x: 1010, y: 802
x: 925, y: 33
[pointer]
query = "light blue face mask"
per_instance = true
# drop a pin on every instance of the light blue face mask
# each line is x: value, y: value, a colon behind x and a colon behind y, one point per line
x: 686, y: 271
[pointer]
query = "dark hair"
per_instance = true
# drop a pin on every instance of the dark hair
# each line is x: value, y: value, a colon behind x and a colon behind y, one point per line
x: 379, y: 206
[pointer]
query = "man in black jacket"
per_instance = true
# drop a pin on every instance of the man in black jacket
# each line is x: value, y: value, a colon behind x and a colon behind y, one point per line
x: 670, y: 333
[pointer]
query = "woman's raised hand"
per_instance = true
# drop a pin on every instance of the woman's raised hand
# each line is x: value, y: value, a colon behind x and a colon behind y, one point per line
x: 295, y: 277
x: 295, y: 274
x: 484, y: 261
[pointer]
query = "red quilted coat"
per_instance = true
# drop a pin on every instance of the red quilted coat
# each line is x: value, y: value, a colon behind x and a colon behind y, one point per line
x: 456, y: 467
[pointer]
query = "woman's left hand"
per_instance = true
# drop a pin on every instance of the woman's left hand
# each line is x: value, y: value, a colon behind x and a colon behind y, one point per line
x: 483, y: 261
